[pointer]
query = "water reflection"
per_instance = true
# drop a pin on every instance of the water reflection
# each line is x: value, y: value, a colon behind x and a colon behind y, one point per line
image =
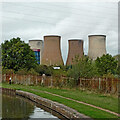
x: 18, y: 107
x: 40, y: 113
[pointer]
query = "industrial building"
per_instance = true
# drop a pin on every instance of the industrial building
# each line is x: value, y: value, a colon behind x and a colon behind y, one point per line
x: 97, y: 46
x: 52, y: 51
x: 75, y: 49
x: 37, y: 47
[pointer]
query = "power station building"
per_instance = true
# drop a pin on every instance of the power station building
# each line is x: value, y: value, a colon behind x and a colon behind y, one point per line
x: 75, y: 49
x: 37, y: 47
x: 97, y: 46
x: 52, y: 51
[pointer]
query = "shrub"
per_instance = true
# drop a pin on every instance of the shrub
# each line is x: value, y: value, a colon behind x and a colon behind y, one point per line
x: 106, y: 64
x: 43, y: 69
x: 82, y: 68
x: 7, y: 71
x: 32, y: 72
x: 22, y: 71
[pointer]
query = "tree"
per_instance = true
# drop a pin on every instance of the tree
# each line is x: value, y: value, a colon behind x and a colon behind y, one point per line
x: 16, y: 54
x: 106, y: 64
x: 82, y: 68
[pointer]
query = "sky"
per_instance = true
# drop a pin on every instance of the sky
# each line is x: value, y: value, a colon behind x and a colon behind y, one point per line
x: 70, y: 20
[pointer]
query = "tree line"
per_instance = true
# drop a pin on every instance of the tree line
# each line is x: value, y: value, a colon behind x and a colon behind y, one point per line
x: 17, y: 57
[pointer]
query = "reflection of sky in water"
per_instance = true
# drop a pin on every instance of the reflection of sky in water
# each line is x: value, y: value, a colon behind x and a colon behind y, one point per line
x: 40, y: 113
x: 18, y: 107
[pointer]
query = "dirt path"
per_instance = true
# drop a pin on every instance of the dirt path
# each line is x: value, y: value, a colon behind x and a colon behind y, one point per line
x: 80, y: 102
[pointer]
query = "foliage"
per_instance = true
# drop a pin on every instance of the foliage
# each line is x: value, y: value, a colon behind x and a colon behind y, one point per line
x: 108, y: 75
x: 23, y: 71
x: 7, y: 71
x: 59, y: 73
x: 83, y: 67
x: 71, y: 83
x: 106, y: 64
x: 32, y: 72
x: 16, y: 54
x: 43, y: 69
x: 117, y: 57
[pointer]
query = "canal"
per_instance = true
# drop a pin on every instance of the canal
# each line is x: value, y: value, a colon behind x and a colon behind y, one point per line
x: 19, y: 107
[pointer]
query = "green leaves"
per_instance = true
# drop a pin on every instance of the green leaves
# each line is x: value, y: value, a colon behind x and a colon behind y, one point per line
x: 106, y: 64
x: 83, y: 67
x: 43, y: 69
x: 17, y: 55
x: 86, y: 68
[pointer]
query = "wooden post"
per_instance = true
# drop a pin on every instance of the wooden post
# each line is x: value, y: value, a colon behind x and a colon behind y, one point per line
x: 36, y: 80
x: 99, y: 83
x: 51, y: 82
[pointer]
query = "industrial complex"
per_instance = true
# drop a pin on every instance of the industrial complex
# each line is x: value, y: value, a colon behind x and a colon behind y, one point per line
x: 48, y: 52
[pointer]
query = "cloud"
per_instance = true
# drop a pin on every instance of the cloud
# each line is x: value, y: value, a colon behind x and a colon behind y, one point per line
x: 70, y: 20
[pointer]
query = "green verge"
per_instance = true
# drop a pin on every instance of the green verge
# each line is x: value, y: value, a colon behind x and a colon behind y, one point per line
x: 97, y: 99
x: 101, y: 100
x: 87, y: 110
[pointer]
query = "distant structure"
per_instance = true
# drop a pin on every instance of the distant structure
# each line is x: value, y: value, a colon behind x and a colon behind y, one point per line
x: 97, y: 46
x: 37, y: 47
x: 52, y: 51
x: 75, y: 49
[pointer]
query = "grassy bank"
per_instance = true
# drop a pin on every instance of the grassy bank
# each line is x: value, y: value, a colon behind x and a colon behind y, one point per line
x: 104, y: 101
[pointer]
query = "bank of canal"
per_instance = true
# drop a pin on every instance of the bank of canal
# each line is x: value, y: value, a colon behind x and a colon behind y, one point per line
x: 81, y: 108
x: 16, y: 107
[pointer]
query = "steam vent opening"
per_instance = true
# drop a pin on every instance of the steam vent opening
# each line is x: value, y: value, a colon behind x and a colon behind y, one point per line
x: 37, y: 47
x: 75, y: 49
x: 52, y: 51
x: 97, y: 46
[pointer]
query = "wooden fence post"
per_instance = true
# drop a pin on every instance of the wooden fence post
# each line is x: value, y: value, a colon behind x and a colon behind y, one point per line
x: 99, y: 83
x: 36, y: 80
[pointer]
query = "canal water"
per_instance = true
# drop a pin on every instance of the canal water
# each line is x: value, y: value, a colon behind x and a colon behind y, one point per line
x: 18, y: 107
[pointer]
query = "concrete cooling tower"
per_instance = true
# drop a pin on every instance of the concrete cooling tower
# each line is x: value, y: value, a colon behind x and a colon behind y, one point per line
x: 37, y: 47
x: 97, y: 46
x: 51, y: 51
x: 75, y: 49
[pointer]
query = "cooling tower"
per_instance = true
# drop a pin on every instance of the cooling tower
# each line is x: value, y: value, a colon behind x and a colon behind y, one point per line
x: 75, y: 49
x: 37, y: 47
x: 51, y: 51
x: 97, y: 46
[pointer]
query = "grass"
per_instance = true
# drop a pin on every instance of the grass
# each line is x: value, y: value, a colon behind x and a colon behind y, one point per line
x: 101, y: 100
x: 104, y: 101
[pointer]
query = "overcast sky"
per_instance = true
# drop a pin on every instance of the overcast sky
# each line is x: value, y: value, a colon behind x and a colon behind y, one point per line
x: 68, y: 19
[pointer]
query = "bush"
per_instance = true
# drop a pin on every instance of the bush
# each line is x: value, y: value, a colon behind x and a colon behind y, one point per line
x: 7, y: 71
x: 106, y: 64
x: 32, y: 72
x: 43, y: 69
x: 82, y: 68
x: 22, y: 71
x: 59, y: 73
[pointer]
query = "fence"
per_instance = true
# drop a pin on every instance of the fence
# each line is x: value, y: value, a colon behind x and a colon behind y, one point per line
x: 106, y: 85
x: 34, y: 80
